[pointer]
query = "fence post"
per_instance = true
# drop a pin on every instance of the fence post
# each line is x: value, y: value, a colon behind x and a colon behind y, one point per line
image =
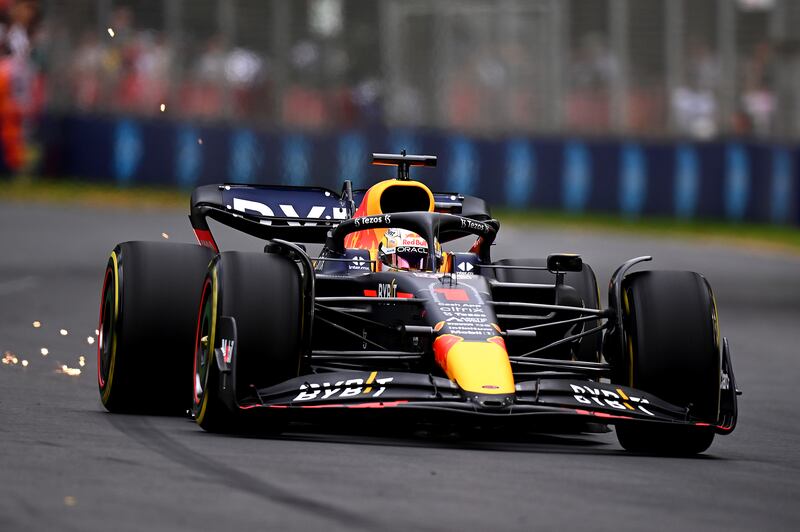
x: 726, y: 43
x: 226, y: 18
x: 618, y: 28
x: 281, y: 46
x: 674, y: 48
x: 173, y: 28
x: 560, y: 38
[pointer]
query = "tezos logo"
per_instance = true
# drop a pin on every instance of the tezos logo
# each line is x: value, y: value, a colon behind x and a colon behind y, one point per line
x: 474, y: 226
x: 372, y: 220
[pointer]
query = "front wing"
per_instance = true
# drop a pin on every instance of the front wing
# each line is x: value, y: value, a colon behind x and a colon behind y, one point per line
x: 550, y: 397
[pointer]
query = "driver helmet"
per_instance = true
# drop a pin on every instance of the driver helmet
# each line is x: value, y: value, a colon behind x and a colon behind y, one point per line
x: 401, y: 249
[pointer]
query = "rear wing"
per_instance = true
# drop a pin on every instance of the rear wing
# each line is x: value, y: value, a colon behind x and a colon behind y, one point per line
x: 296, y: 214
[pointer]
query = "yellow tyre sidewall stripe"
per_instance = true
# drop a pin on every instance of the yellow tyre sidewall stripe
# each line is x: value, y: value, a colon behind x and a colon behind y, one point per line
x: 626, y: 311
x: 212, y: 331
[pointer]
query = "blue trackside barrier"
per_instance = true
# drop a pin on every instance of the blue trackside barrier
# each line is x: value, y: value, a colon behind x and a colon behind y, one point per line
x: 726, y: 179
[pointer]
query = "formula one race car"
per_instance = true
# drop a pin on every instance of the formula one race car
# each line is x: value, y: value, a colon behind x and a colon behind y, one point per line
x: 384, y: 321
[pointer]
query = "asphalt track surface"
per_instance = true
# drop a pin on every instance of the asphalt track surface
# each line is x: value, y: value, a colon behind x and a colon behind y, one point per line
x: 66, y: 464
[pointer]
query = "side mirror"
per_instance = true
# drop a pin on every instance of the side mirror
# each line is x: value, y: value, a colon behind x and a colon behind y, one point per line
x: 564, y: 262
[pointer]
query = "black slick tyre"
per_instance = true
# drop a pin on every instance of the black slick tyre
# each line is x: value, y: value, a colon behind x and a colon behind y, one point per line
x: 262, y: 293
x: 672, y: 350
x: 148, y: 309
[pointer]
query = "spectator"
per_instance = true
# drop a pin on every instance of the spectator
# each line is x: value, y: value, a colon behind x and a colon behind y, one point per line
x: 694, y: 104
x: 17, y: 84
x: 758, y: 98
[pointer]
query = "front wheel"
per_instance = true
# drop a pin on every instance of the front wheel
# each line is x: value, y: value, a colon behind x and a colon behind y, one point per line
x: 263, y: 295
x: 672, y: 347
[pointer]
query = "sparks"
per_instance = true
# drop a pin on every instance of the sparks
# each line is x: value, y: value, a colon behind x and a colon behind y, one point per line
x: 90, y: 340
x: 37, y: 324
x: 163, y: 107
x: 111, y: 32
x: 44, y: 351
x: 63, y: 332
x: 165, y: 236
x: 24, y: 363
x: 66, y: 370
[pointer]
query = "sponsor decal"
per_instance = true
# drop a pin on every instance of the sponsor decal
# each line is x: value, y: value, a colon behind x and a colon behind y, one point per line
x: 412, y: 249
x: 358, y: 263
x: 372, y: 220
x: 204, y: 238
x: 453, y: 294
x: 387, y: 289
x: 370, y: 387
x: 463, y: 311
x: 426, y: 275
x: 465, y: 267
x: 288, y: 211
x: 227, y: 350
x: 618, y: 400
x: 413, y: 241
x: 472, y: 225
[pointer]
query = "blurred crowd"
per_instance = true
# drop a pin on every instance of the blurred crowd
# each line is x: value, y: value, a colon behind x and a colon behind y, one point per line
x: 692, y: 105
x: 342, y: 76
x: 132, y: 70
x: 135, y: 70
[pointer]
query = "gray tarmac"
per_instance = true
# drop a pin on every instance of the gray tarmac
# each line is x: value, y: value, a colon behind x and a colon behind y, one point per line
x: 66, y: 464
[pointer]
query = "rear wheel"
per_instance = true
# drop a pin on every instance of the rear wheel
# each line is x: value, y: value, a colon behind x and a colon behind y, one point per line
x: 673, y: 352
x: 263, y: 294
x: 147, y: 321
x: 585, y: 284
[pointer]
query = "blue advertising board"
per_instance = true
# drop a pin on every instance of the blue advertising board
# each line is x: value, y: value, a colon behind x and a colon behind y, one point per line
x: 726, y: 179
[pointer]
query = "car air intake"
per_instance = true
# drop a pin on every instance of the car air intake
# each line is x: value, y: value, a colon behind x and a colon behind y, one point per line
x: 405, y: 198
